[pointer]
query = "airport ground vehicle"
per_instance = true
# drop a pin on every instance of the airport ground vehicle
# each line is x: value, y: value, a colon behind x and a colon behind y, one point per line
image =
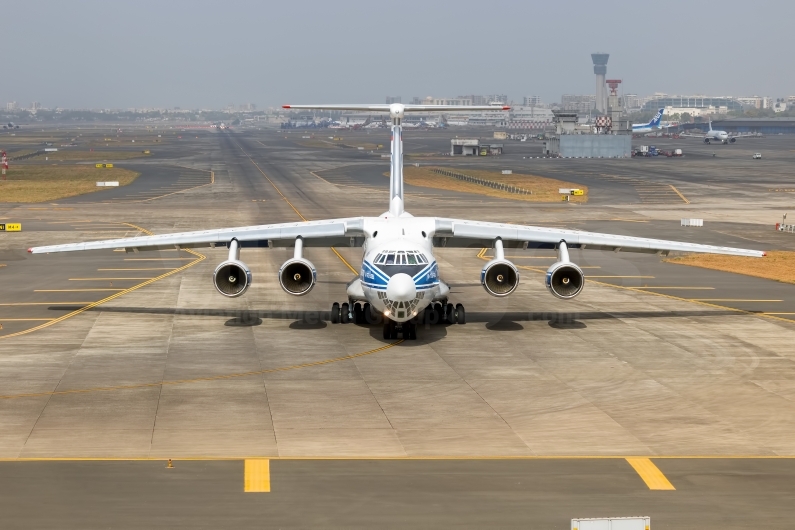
x: 757, y: 156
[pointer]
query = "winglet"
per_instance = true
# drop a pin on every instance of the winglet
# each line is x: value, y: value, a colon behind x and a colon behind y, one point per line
x: 506, y: 108
x: 30, y: 250
x: 285, y: 106
x: 764, y: 254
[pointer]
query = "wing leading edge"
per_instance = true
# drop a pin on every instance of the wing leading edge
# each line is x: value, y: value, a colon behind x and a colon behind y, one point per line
x: 483, y: 233
x: 314, y: 233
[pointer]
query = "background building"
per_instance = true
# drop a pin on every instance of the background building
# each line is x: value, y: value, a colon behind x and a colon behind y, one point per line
x: 756, y: 102
x: 394, y: 99
x: 692, y: 102
x: 583, y: 104
x: 531, y: 101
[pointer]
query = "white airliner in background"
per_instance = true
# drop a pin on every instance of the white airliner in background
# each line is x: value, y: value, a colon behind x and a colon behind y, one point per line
x: 399, y: 277
x: 653, y: 125
x: 719, y: 136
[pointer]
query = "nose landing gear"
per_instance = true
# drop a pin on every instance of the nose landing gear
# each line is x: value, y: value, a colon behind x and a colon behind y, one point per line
x: 408, y: 330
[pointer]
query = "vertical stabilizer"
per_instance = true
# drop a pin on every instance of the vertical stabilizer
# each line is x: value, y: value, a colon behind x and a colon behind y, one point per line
x: 396, y: 170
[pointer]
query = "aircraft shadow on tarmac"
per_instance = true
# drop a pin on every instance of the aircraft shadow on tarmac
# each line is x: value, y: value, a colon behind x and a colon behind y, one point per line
x: 496, y: 321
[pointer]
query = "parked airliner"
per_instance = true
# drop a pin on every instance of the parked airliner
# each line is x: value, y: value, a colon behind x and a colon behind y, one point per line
x: 399, y: 277
x: 653, y: 125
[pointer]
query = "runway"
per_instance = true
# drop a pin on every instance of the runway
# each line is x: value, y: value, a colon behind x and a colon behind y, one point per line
x: 653, y: 360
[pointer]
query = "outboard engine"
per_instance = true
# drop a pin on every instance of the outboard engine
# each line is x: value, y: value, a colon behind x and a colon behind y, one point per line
x: 297, y: 276
x: 232, y: 278
x: 564, y: 279
x: 732, y: 140
x: 499, y: 276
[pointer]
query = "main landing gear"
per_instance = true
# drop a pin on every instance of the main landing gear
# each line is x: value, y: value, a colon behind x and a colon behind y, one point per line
x: 353, y: 312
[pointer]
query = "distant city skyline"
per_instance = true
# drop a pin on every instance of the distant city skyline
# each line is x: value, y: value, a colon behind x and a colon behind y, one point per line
x: 202, y: 54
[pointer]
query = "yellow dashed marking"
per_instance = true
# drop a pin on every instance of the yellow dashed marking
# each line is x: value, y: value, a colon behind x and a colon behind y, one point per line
x: 257, y: 476
x: 650, y: 474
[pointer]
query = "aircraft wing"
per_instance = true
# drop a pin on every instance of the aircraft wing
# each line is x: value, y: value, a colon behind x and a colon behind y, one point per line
x: 327, y: 233
x: 406, y: 108
x: 462, y: 233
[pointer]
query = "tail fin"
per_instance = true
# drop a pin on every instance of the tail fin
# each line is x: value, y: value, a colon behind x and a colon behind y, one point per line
x: 710, y: 125
x: 655, y: 122
x: 396, y: 172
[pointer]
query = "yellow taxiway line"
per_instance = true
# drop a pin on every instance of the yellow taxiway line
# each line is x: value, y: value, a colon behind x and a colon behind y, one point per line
x: 221, y: 458
x: 354, y: 271
x: 680, y: 194
x: 103, y: 279
x: 73, y: 290
x: 257, y: 475
x: 91, y: 305
x: 141, y: 269
x: 650, y: 474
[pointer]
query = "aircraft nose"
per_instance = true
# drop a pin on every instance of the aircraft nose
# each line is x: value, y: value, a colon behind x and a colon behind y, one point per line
x: 401, y: 288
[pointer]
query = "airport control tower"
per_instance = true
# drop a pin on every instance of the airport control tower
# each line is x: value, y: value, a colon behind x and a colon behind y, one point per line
x: 600, y: 69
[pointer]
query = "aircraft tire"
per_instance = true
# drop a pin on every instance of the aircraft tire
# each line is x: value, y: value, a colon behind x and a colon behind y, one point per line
x: 345, y: 316
x: 335, y: 313
x: 460, y: 314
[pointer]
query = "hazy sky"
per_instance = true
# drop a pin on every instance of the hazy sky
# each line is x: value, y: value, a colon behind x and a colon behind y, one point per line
x: 208, y: 54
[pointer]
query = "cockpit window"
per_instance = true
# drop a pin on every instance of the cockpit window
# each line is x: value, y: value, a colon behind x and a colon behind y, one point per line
x: 408, y: 257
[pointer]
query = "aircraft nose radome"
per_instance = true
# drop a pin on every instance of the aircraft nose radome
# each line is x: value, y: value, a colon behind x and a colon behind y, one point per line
x: 401, y: 288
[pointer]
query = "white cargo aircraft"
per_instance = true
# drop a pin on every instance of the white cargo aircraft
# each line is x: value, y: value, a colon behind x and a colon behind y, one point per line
x: 399, y: 277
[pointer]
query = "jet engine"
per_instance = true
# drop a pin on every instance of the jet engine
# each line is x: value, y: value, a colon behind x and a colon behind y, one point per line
x: 297, y: 276
x: 564, y: 279
x: 732, y: 140
x: 706, y: 140
x: 232, y: 278
x: 499, y: 276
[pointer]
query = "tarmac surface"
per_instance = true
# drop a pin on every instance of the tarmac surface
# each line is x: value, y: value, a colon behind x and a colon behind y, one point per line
x: 524, y: 416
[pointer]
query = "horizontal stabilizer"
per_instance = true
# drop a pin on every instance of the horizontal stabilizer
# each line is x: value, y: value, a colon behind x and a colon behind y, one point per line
x: 405, y: 108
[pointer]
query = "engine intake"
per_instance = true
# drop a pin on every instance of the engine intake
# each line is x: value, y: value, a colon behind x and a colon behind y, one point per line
x: 499, y: 277
x: 297, y: 276
x: 232, y: 278
x: 565, y: 280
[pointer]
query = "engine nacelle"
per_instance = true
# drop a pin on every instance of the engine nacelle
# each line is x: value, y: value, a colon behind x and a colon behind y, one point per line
x: 499, y: 277
x: 565, y: 280
x: 706, y: 140
x: 732, y: 140
x: 297, y: 276
x: 232, y: 278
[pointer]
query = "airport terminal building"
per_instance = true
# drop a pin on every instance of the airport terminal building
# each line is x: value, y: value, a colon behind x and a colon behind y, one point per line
x: 721, y: 104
